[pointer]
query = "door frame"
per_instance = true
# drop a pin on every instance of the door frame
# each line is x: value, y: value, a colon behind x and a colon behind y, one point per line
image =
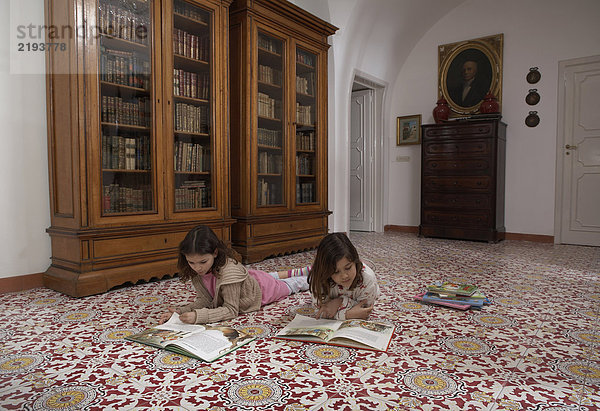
x: 379, y: 88
x: 561, y: 185
x: 367, y: 193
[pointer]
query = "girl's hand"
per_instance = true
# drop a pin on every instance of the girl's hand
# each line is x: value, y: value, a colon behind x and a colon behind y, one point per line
x: 329, y: 309
x: 164, y: 317
x: 360, y: 311
x: 189, y: 317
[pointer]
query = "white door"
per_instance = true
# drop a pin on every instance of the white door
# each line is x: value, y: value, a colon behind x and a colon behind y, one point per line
x: 579, y: 151
x: 361, y: 137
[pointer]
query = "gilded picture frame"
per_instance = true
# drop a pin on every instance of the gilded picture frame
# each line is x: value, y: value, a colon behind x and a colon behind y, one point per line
x: 468, y: 70
x: 408, y: 130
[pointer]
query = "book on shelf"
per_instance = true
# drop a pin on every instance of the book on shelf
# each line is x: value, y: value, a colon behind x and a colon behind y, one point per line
x: 191, y: 12
x: 190, y: 45
x: 120, y: 22
x: 355, y: 333
x: 450, y: 288
x: 203, y: 342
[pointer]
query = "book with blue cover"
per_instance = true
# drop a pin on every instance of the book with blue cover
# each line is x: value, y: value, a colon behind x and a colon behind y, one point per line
x: 473, y: 302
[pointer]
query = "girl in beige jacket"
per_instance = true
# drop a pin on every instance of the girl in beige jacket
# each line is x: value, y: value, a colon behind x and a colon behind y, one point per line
x: 224, y: 287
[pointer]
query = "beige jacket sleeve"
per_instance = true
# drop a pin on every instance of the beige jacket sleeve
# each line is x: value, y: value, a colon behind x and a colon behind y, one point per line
x: 230, y: 307
x: 236, y: 292
x: 203, y: 298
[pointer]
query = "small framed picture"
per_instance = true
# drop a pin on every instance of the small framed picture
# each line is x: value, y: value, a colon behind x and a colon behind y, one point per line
x: 408, y: 130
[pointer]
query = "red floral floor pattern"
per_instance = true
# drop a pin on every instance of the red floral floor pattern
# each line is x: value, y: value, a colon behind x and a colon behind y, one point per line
x: 536, y: 347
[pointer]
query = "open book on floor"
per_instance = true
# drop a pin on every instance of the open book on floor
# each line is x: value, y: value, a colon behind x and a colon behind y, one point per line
x: 203, y: 342
x: 355, y: 333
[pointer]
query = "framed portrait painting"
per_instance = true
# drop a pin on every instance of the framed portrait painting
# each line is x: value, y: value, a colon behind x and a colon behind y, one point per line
x: 468, y: 70
x: 408, y: 130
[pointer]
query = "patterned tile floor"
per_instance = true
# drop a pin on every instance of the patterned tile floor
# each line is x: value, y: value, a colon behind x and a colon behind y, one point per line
x: 537, y: 347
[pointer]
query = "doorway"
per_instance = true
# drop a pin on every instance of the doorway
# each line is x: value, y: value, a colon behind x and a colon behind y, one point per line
x: 577, y: 218
x: 366, y: 151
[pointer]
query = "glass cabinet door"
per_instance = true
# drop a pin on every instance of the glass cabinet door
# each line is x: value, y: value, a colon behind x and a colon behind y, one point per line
x: 126, y: 109
x: 270, y: 133
x: 306, y: 148
x: 193, y: 133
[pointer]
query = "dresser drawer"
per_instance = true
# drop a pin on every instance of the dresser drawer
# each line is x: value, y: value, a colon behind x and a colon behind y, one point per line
x: 469, y: 220
x: 464, y: 184
x: 461, y: 130
x: 474, y: 166
x: 457, y: 201
x: 458, y: 148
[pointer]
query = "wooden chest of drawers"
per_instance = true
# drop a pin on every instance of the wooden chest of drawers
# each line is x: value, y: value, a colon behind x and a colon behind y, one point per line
x: 462, y: 180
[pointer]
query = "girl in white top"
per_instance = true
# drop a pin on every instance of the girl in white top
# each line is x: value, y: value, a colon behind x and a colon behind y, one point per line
x: 342, y: 287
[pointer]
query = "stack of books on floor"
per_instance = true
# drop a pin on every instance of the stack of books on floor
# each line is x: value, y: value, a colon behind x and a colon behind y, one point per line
x: 454, y: 295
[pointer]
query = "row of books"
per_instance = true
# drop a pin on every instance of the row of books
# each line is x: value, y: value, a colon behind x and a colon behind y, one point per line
x: 190, y: 45
x: 305, y: 164
x: 132, y: 112
x: 268, y: 107
x: 126, y: 153
x: 268, y: 192
x: 305, y: 192
x: 185, y: 9
x: 194, y: 85
x: 305, y: 58
x: 268, y: 137
x: 269, y: 44
x: 124, y: 23
x: 125, y: 68
x: 304, y: 114
x: 270, y: 163
x: 306, y: 84
x: 123, y: 199
x: 454, y: 295
x: 191, y: 157
x: 270, y: 75
x: 191, y: 119
x: 192, y: 194
x: 305, y: 141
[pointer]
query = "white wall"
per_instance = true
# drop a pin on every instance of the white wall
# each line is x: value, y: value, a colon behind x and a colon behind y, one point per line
x: 374, y: 38
x: 391, y: 40
x: 536, y: 33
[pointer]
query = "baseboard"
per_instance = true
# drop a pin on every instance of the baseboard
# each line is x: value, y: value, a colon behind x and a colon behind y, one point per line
x: 536, y: 238
x: 402, y: 228
x: 21, y: 282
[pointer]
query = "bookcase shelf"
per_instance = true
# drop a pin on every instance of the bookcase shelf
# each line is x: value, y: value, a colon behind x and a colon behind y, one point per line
x: 117, y: 42
x: 138, y: 152
x: 278, y: 153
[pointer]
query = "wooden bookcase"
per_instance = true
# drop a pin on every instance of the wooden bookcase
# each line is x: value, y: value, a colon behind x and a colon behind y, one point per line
x: 137, y: 137
x: 278, y: 56
x: 462, y: 180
